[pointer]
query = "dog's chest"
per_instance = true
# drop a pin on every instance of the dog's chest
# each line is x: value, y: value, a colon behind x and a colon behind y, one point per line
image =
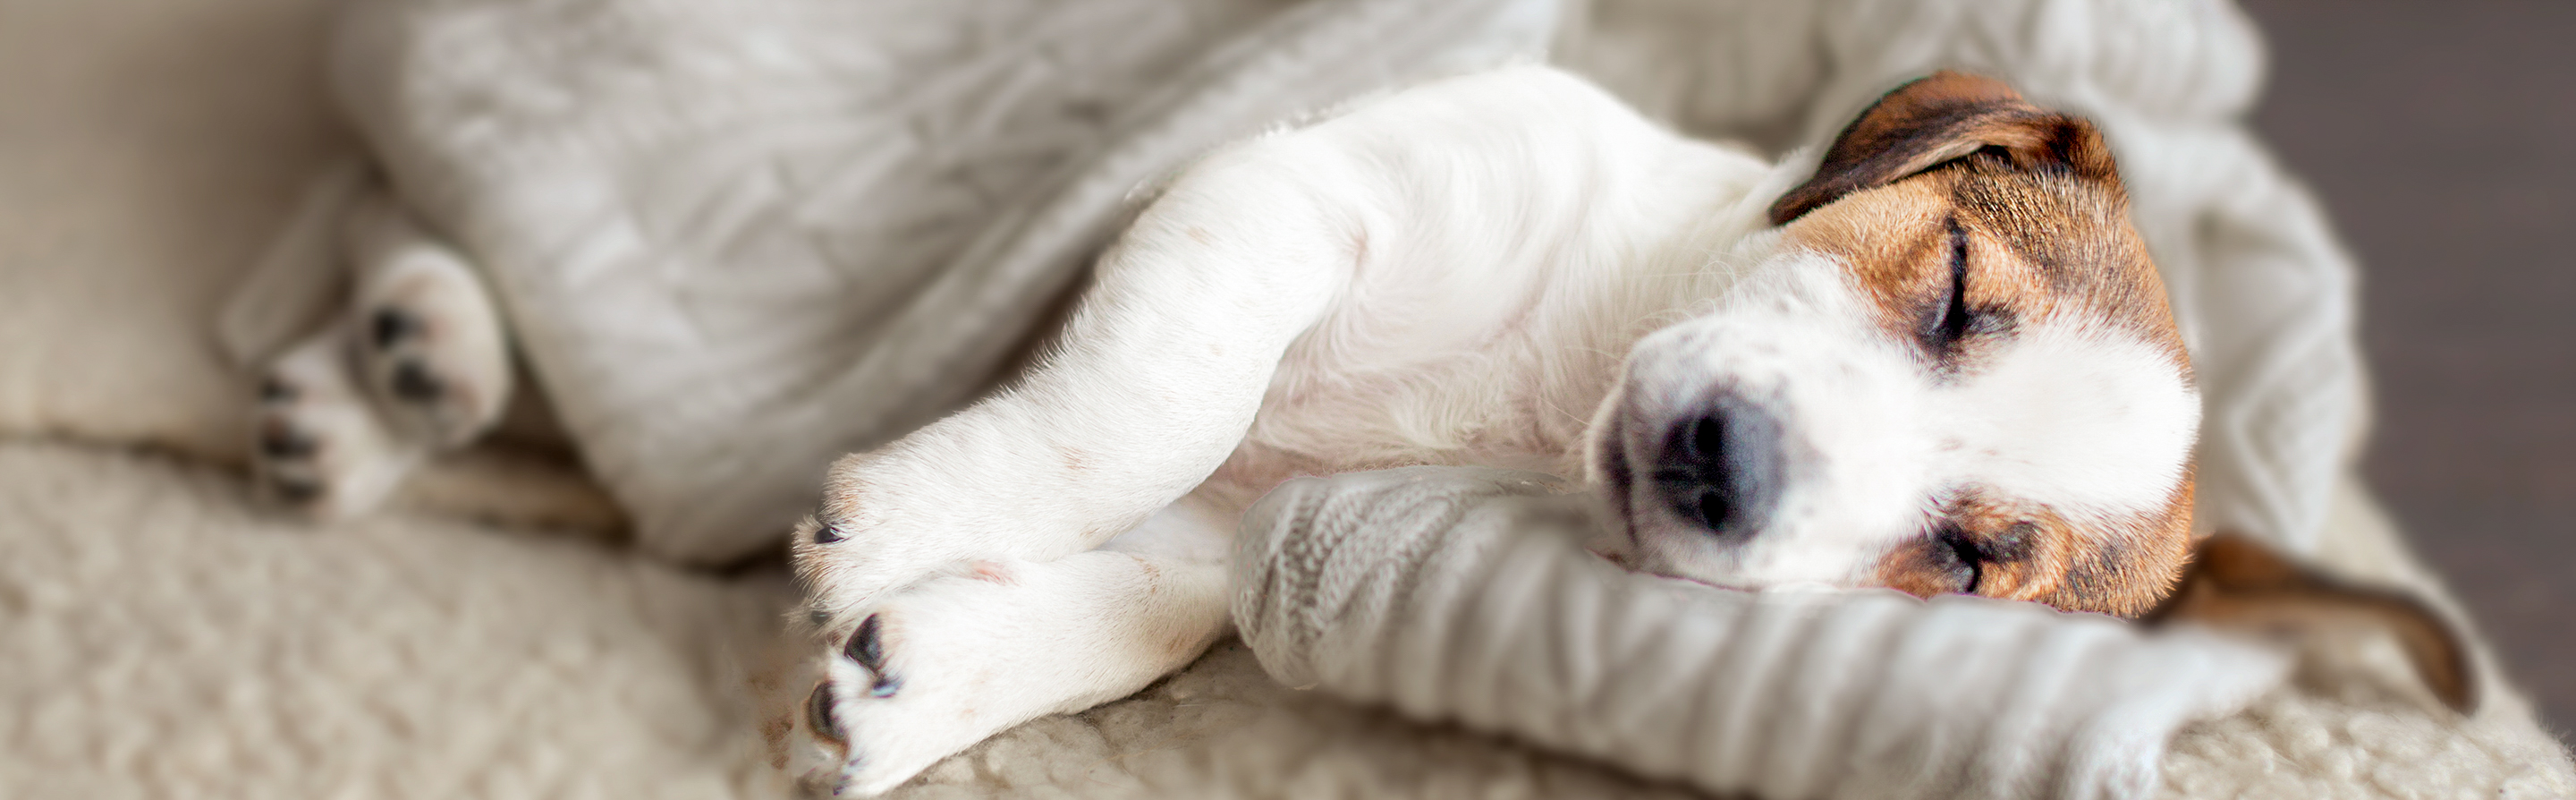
x: 1497, y: 348
x: 1513, y: 381
x: 1494, y: 408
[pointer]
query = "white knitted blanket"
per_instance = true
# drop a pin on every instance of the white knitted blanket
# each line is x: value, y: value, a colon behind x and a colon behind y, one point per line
x: 1465, y: 594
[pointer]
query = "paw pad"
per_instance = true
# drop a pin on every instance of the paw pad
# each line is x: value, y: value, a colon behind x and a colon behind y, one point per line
x: 818, y: 714
x: 867, y: 648
x: 280, y: 440
x: 392, y: 325
x: 412, y: 381
x: 296, y: 490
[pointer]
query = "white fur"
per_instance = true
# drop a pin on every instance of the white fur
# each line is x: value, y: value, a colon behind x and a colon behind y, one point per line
x: 2096, y: 423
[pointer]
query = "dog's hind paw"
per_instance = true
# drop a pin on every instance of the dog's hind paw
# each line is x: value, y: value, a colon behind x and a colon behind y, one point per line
x: 316, y: 442
x: 429, y: 341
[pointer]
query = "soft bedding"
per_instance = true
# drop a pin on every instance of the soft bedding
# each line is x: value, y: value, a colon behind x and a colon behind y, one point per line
x: 161, y: 636
x: 1466, y: 594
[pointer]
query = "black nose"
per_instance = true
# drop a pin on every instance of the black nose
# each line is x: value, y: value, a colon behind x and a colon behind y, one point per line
x: 1722, y: 469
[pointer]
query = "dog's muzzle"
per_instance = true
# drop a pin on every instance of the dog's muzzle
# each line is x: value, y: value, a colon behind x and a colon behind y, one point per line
x: 1722, y: 467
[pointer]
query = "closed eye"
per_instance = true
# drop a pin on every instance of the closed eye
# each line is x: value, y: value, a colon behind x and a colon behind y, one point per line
x: 1961, y: 558
x: 1957, y: 558
x: 1954, y: 318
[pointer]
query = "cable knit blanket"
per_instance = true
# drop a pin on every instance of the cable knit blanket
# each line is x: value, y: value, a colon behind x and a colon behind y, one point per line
x: 160, y: 637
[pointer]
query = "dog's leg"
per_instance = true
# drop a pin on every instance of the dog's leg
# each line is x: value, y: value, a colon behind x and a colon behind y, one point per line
x: 1158, y: 376
x: 416, y: 364
x: 952, y: 573
x: 946, y: 662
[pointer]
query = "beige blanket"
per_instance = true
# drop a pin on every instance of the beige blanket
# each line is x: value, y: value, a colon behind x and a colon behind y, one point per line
x: 159, y: 637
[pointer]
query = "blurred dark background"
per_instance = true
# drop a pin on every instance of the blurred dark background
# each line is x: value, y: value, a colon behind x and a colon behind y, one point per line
x: 2442, y: 137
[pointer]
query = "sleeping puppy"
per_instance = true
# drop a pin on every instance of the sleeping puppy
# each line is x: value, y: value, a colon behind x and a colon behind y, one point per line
x: 1938, y: 360
x: 1514, y: 270
x: 1941, y: 361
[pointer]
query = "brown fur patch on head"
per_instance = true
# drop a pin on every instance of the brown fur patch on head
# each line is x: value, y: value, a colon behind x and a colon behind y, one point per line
x: 1943, y: 118
x: 2019, y: 549
x: 2016, y: 246
x: 1967, y: 217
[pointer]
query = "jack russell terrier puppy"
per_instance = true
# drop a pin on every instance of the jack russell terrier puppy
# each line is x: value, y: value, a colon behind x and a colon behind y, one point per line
x: 1942, y: 362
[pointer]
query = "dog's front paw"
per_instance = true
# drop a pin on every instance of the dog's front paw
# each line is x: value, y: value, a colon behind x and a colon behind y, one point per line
x: 887, y: 522
x: 947, y: 662
x: 844, y: 566
x: 925, y: 675
x: 317, y: 444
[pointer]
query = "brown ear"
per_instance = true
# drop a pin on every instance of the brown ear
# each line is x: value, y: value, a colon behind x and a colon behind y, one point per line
x: 1943, y: 118
x: 2236, y: 583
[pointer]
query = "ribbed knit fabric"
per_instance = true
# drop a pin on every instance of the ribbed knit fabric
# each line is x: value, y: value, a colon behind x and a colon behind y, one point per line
x: 1464, y: 594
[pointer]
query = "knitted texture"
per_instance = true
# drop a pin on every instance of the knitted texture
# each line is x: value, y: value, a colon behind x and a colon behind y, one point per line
x: 1463, y: 594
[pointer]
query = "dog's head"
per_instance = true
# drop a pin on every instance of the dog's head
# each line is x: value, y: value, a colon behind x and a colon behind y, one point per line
x: 1955, y: 372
